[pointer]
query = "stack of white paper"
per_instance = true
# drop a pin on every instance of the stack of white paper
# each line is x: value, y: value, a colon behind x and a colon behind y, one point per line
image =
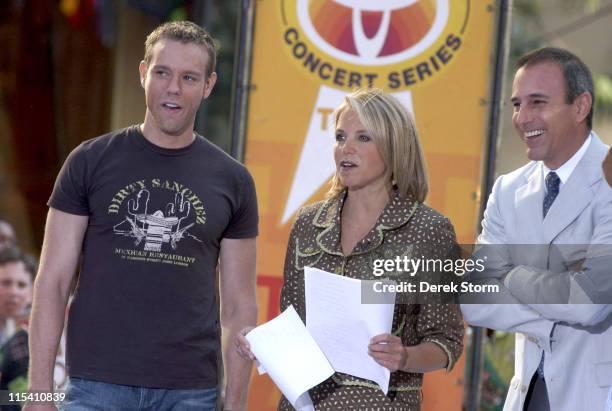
x: 338, y: 331
x: 291, y: 357
x: 342, y: 326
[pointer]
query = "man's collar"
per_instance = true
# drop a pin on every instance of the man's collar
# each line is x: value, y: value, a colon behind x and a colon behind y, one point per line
x: 565, y: 171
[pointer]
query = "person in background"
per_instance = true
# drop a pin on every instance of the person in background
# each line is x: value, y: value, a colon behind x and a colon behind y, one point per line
x: 7, y: 235
x: 17, y: 272
x: 15, y: 289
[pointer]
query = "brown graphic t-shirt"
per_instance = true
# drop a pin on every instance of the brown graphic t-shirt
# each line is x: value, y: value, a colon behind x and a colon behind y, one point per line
x: 145, y: 311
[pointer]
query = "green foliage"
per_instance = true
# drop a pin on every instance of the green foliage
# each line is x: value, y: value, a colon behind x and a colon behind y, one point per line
x: 603, y: 94
x: 526, y: 35
x: 582, y: 5
x: 526, y: 18
x: 18, y: 385
x: 178, y: 14
x: 222, y: 23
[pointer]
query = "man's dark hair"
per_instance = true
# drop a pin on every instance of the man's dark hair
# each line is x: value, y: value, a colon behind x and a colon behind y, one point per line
x: 15, y: 255
x: 185, y: 32
x: 577, y: 75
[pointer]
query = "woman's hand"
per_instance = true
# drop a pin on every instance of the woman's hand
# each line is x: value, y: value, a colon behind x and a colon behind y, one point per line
x: 388, y: 351
x: 243, y: 348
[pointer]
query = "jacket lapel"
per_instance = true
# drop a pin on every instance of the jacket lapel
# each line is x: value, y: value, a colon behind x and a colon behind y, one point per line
x: 396, y: 214
x: 328, y: 219
x: 576, y: 194
x: 528, y: 201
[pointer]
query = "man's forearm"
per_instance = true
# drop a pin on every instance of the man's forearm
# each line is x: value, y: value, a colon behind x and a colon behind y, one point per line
x: 61, y: 248
x: 44, y: 333
x: 238, y: 310
x: 563, y: 297
x: 237, y: 369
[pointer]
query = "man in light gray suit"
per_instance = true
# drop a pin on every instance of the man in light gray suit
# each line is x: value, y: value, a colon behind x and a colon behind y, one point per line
x: 546, y: 235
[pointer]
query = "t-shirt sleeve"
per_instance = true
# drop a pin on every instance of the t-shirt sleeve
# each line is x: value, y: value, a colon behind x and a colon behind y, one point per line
x: 70, y: 190
x: 244, y: 221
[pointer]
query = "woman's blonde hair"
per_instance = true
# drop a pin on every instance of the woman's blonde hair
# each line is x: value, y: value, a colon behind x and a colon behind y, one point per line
x: 393, y: 131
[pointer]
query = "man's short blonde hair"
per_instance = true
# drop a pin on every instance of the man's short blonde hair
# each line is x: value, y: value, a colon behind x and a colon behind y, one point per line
x: 185, y: 32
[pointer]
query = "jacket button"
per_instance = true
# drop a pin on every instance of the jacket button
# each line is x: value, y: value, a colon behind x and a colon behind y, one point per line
x: 523, y: 388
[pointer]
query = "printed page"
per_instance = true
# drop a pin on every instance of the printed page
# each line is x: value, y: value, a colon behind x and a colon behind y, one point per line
x: 342, y: 326
x: 291, y: 357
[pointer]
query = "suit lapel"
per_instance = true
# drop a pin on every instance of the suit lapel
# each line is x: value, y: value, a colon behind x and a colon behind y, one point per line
x: 575, y: 195
x: 528, y: 201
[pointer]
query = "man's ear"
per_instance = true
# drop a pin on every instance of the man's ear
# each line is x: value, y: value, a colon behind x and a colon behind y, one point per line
x: 583, y: 103
x: 142, y: 69
x: 209, y: 84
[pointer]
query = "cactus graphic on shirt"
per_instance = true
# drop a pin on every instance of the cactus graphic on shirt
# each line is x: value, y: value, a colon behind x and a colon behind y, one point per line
x: 157, y: 228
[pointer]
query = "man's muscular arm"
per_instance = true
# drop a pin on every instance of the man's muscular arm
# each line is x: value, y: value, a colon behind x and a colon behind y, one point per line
x: 60, y: 253
x: 238, y: 310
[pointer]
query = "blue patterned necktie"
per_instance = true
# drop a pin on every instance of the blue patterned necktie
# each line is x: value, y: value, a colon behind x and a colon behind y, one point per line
x: 552, y: 189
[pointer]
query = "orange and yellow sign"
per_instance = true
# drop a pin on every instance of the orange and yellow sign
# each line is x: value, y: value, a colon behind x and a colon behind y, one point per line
x: 391, y: 44
x: 435, y: 56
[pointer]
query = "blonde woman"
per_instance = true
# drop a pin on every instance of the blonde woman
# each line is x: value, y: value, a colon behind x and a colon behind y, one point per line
x: 375, y: 210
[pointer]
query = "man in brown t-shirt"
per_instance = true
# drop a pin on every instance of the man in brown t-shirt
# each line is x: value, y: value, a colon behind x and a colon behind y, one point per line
x: 150, y: 210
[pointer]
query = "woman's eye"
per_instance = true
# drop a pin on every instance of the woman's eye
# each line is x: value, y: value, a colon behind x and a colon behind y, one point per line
x: 364, y: 137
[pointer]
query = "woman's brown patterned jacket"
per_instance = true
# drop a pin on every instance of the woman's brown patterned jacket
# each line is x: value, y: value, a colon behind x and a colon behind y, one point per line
x: 405, y: 228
